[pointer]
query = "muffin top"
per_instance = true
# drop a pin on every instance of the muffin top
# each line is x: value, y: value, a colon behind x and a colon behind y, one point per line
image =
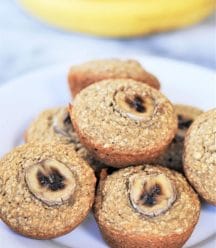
x: 145, y: 199
x: 45, y: 189
x: 124, y: 115
x: 97, y: 70
x: 200, y: 155
x: 52, y: 124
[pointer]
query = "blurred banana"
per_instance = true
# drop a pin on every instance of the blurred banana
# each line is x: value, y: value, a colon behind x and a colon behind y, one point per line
x: 120, y: 18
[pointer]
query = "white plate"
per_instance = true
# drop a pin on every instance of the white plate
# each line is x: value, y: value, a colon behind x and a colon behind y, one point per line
x: 22, y: 99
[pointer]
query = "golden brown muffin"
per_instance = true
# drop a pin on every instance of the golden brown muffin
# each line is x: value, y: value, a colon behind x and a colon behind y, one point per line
x: 46, y: 190
x: 54, y: 125
x: 200, y: 156
x: 123, y: 122
x: 146, y: 207
x: 172, y: 157
x: 81, y: 76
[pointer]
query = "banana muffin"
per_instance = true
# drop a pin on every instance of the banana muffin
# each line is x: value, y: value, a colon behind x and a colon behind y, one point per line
x: 146, y: 207
x: 54, y: 125
x: 123, y: 122
x: 172, y: 157
x: 46, y: 190
x: 200, y: 156
x: 81, y: 76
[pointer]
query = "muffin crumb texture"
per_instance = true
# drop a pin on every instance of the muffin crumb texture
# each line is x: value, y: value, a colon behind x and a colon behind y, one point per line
x: 121, y: 223
x: 200, y: 155
x: 30, y: 215
x: 114, y: 131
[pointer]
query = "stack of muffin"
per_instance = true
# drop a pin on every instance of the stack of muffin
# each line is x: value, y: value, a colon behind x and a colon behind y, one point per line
x: 150, y: 159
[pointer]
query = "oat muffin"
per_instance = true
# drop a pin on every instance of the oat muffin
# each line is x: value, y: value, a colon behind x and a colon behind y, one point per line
x: 200, y: 156
x: 54, y: 125
x: 146, y: 206
x: 45, y: 190
x: 81, y: 76
x: 172, y: 157
x: 123, y: 122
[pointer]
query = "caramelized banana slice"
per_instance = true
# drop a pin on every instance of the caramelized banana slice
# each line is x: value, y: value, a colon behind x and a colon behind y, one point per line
x: 151, y: 195
x: 62, y: 123
x: 183, y: 124
x: 50, y: 181
x: 135, y: 106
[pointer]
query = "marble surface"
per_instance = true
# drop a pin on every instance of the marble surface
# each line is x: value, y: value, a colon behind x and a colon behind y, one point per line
x: 27, y: 44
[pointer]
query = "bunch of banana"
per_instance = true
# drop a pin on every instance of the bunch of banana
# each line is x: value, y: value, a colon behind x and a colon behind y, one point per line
x: 120, y: 18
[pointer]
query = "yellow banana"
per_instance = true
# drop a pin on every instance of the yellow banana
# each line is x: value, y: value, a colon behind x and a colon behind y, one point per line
x: 120, y: 18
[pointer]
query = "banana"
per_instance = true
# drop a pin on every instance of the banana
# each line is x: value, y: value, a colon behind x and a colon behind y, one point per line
x: 135, y: 106
x: 151, y: 195
x: 117, y: 18
x: 183, y: 124
x: 50, y: 181
x: 62, y: 123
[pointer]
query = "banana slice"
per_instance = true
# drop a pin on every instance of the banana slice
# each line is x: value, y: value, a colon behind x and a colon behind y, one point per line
x: 62, y: 123
x: 50, y: 181
x: 183, y: 125
x: 135, y: 106
x: 151, y: 195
